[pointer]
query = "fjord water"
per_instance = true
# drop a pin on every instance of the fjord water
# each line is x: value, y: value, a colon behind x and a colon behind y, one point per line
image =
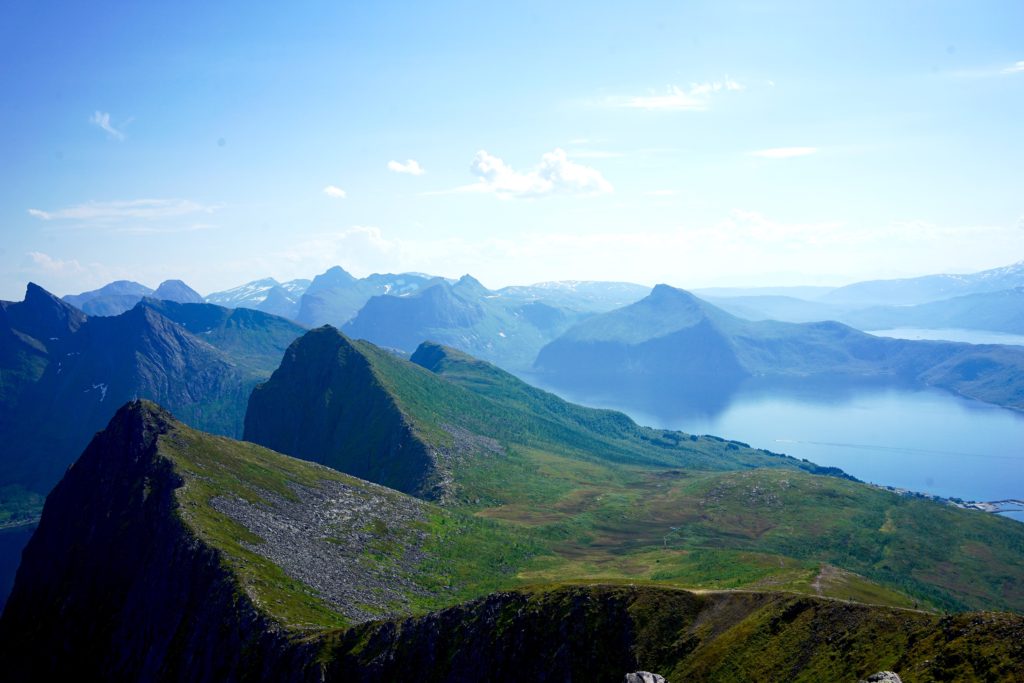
x: 924, y: 440
x: 952, y: 334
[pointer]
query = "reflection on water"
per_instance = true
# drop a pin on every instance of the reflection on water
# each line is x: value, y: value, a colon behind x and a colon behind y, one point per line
x: 897, y: 435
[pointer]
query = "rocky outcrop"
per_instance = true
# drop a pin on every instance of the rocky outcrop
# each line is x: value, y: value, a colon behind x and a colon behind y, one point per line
x: 644, y: 677
x: 883, y: 677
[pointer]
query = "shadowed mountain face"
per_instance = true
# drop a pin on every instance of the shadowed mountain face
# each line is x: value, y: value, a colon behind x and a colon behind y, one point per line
x: 62, y: 376
x: 672, y: 336
x: 67, y: 373
x: 325, y: 404
x: 166, y: 554
x: 29, y: 330
x: 108, y: 361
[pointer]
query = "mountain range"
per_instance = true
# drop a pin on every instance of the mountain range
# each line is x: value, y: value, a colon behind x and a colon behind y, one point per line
x: 673, y: 338
x: 63, y: 374
x: 502, y: 327
x: 267, y: 295
x: 122, y: 295
x: 999, y: 311
x: 919, y: 290
x: 526, y: 535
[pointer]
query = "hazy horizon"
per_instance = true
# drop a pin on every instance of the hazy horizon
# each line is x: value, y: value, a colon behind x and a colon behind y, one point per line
x: 700, y: 145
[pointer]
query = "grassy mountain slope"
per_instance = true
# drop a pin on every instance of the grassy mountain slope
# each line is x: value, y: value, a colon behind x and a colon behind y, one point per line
x: 168, y: 554
x: 254, y: 340
x: 615, y: 501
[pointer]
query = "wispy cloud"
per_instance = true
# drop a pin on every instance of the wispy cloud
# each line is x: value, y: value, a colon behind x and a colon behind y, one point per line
x: 990, y: 71
x: 102, y: 213
x: 164, y: 230
x: 335, y: 191
x: 54, y: 266
x: 784, y: 152
x: 410, y: 167
x: 101, y: 119
x: 555, y: 174
x: 696, y: 97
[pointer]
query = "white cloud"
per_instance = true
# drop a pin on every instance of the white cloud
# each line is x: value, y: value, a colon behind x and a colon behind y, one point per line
x: 360, y: 248
x: 102, y: 120
x: 989, y: 71
x: 555, y: 174
x: 742, y: 247
x: 335, y: 191
x: 54, y: 266
x: 410, y: 167
x: 697, y: 97
x: 124, y: 210
x: 784, y: 152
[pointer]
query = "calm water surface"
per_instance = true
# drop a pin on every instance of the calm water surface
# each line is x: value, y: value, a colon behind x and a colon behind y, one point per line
x: 920, y: 439
x: 953, y: 334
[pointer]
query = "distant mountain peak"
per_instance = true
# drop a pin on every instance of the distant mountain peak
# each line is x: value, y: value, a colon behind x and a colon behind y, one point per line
x: 176, y: 290
x: 36, y: 294
x: 668, y: 290
x: 51, y: 315
x: 336, y: 274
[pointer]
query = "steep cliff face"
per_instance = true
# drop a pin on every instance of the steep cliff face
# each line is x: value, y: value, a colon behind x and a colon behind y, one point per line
x: 326, y: 405
x: 113, y: 586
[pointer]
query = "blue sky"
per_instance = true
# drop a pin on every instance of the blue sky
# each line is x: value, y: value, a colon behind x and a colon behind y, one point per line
x: 692, y: 143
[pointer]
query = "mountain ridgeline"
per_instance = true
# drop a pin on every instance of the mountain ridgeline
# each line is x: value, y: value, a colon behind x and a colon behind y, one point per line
x: 593, y: 488
x: 63, y: 375
x: 169, y: 555
x: 507, y: 330
x: 672, y: 337
x: 122, y: 295
x: 201, y: 360
x: 326, y: 404
x: 417, y: 425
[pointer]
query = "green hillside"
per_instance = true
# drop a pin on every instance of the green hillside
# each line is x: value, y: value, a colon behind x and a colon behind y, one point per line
x: 169, y: 554
x: 611, y: 500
